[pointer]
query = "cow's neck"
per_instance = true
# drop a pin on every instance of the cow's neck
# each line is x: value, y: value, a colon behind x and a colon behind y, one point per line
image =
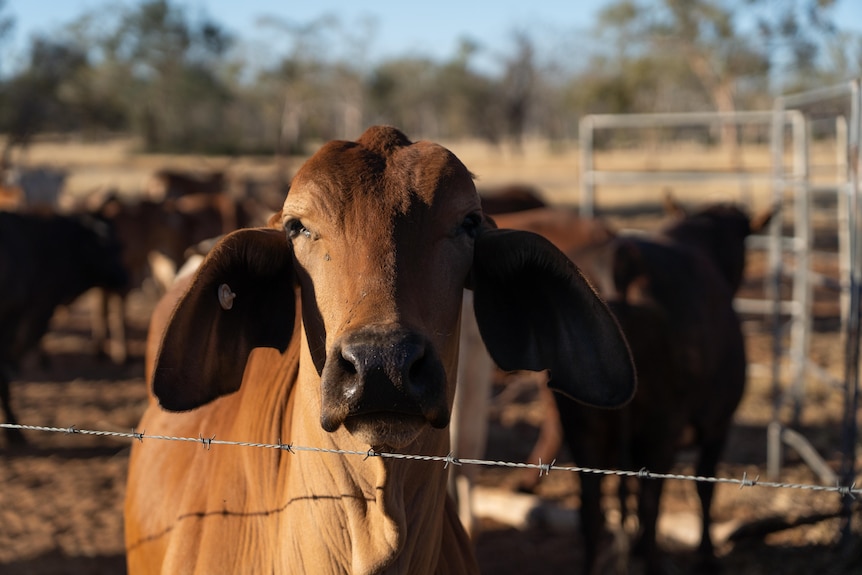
x: 390, y: 512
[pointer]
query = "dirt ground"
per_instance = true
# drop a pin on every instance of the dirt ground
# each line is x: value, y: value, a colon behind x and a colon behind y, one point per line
x: 61, y: 497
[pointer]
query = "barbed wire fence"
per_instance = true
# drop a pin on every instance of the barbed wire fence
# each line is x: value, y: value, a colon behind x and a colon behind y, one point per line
x: 845, y: 491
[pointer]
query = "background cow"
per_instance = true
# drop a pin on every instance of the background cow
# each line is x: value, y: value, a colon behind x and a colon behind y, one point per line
x: 672, y: 293
x: 167, y: 183
x: 154, y: 237
x: 45, y: 262
x: 674, y: 300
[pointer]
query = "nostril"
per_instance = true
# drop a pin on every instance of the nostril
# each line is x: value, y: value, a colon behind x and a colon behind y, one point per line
x: 416, y: 367
x: 347, y: 363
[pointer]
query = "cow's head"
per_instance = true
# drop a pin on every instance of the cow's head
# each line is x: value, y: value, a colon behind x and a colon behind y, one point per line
x: 719, y: 231
x: 381, y: 236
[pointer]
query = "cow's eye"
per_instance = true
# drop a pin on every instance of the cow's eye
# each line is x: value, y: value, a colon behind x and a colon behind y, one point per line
x: 295, y: 228
x: 470, y: 225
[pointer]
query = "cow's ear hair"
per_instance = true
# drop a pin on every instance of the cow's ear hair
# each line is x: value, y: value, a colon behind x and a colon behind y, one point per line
x: 536, y: 311
x: 242, y: 297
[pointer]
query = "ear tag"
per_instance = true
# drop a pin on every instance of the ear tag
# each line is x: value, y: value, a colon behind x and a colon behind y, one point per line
x: 225, y: 296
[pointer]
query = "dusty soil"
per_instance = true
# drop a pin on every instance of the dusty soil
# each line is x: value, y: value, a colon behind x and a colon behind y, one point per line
x: 61, y: 497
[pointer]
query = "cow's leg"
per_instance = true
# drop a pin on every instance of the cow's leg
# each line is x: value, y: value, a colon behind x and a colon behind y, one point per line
x: 108, y: 325
x: 653, y: 450
x: 14, y: 436
x: 592, y: 518
x: 592, y: 438
x: 99, y: 322
x: 649, y: 497
x: 707, y: 464
x: 116, y: 314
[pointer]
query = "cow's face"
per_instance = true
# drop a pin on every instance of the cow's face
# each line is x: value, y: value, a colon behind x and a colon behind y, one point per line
x: 382, y: 233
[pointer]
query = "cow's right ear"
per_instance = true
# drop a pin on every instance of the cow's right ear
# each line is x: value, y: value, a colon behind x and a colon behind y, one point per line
x: 242, y: 297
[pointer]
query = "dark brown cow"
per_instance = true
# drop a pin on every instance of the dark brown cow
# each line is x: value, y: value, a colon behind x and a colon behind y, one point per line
x: 46, y: 262
x: 674, y: 303
x: 337, y: 327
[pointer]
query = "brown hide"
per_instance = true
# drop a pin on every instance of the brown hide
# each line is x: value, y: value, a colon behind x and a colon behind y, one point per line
x: 337, y: 328
x: 168, y: 183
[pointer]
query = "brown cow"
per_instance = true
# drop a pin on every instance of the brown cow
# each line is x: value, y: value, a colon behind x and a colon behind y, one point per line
x: 337, y: 327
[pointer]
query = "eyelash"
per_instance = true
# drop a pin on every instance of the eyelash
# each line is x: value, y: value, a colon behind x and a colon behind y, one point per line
x: 294, y: 228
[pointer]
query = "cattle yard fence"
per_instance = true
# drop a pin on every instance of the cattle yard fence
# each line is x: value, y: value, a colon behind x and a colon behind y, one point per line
x: 808, y: 192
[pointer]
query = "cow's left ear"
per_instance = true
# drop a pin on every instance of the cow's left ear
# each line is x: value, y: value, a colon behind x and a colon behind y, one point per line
x: 242, y: 297
x: 536, y: 311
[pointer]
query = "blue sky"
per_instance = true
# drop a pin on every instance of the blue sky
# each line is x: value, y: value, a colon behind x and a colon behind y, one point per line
x: 427, y: 28
x: 430, y: 28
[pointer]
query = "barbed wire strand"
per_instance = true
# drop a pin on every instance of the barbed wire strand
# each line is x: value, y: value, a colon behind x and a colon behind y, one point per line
x: 543, y: 468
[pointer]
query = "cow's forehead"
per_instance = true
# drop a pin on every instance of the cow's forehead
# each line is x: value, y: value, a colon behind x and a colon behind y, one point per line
x: 347, y: 179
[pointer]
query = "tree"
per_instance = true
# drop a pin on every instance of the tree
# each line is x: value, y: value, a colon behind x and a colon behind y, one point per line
x: 401, y: 92
x: 777, y: 43
x: 167, y: 65
x: 34, y: 99
x: 7, y: 24
x: 704, y: 34
x: 519, y: 80
x: 305, y: 79
x: 468, y: 102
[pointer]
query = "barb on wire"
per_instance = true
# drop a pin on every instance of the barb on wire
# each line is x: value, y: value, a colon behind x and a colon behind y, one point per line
x: 285, y: 446
x: 451, y: 460
x: 207, y: 441
x: 544, y: 468
x: 745, y: 482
